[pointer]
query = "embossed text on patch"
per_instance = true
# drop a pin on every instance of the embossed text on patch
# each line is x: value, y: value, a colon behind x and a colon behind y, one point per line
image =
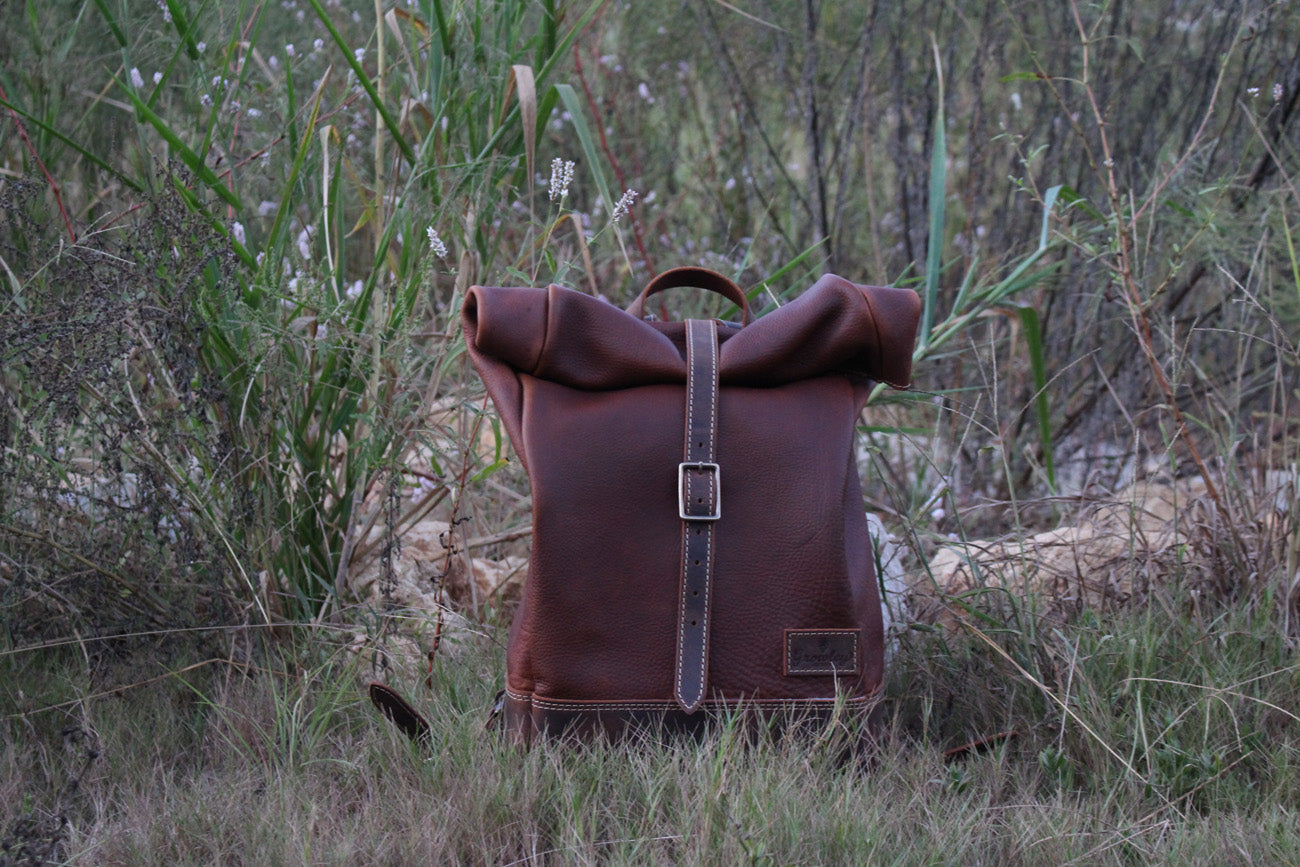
x: 821, y: 651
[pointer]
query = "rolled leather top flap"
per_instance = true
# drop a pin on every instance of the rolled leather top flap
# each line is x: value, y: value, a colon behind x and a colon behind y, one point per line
x: 579, y: 341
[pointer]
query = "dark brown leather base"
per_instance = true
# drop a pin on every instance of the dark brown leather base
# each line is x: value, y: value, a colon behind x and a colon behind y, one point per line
x: 526, y: 719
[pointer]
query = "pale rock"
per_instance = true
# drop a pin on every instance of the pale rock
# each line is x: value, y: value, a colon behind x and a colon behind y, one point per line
x: 1113, y: 551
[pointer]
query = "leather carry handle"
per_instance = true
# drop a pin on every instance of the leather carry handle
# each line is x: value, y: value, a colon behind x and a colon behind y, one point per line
x: 701, y: 278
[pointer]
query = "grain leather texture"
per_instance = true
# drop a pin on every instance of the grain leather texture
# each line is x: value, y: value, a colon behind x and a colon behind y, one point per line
x: 595, y: 402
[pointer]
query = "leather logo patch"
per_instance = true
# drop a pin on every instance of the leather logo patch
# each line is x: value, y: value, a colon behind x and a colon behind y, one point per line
x: 821, y: 651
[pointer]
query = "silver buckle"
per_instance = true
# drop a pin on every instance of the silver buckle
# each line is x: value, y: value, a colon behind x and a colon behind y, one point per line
x: 681, y: 490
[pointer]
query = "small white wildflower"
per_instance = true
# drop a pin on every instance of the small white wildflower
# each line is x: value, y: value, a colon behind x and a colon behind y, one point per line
x: 643, y: 91
x: 360, y: 54
x: 421, y: 488
x: 237, y: 231
x: 435, y: 243
x: 304, y: 242
x: 202, y: 47
x: 167, y: 13
x: 273, y: 62
x: 254, y: 112
x: 266, y: 208
x: 137, y: 81
x: 1252, y: 92
x: 354, y: 290
x: 157, y: 78
x: 1277, y: 91
x: 288, y: 49
x: 317, y: 44
x: 205, y: 100
x: 622, y: 205
x: 561, y: 177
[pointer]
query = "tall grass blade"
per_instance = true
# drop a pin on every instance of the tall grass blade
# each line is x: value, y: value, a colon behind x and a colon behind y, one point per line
x: 84, y: 152
x: 525, y: 88
x: 187, y: 155
x: 366, y: 83
x: 938, y: 188
x: 1049, y: 199
x: 1034, y: 341
x: 277, y: 236
x: 578, y: 117
x: 116, y: 30
x: 1290, y: 249
x: 183, y: 27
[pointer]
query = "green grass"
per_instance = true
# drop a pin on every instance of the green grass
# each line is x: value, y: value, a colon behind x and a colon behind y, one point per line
x: 1190, y: 756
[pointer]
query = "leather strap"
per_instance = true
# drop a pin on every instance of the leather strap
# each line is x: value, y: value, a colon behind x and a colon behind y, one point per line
x: 399, y: 710
x: 701, y: 278
x: 699, y: 495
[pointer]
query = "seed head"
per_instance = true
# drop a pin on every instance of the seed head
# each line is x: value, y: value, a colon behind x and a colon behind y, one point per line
x: 435, y: 243
x: 624, y: 203
x: 561, y: 177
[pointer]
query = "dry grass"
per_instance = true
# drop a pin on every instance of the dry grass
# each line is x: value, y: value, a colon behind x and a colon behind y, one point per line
x: 1175, y: 749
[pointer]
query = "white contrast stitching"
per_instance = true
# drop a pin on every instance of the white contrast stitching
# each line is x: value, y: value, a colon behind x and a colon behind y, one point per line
x: 692, y: 331
x: 652, y: 704
x: 686, y: 538
x: 713, y: 478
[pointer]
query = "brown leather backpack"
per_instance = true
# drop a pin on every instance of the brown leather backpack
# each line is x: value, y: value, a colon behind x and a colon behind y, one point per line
x: 699, y: 537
